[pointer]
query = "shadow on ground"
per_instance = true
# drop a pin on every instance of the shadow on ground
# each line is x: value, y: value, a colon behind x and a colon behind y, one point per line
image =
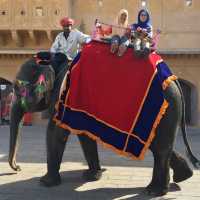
x: 70, y: 189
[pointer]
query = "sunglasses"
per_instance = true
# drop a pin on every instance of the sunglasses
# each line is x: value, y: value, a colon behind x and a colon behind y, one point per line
x: 143, y: 15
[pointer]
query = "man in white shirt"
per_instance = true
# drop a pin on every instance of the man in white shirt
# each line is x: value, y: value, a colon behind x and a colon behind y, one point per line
x: 67, y: 44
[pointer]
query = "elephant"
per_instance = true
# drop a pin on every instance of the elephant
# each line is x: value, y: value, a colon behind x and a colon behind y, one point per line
x: 34, y: 101
x: 165, y: 157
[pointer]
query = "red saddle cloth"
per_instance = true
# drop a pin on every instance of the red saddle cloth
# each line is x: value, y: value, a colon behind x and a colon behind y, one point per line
x: 104, y: 95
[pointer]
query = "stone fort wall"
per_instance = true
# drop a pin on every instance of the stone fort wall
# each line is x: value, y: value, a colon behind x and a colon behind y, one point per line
x: 31, y: 25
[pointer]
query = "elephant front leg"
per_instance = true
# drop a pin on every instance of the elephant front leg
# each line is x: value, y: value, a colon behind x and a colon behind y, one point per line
x: 90, y: 151
x: 56, y: 141
x: 159, y: 184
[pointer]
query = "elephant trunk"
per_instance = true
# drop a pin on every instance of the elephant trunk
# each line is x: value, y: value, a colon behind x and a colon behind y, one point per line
x: 13, y: 150
x: 16, y: 116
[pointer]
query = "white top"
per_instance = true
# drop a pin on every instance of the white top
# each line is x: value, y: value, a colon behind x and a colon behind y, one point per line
x: 69, y: 47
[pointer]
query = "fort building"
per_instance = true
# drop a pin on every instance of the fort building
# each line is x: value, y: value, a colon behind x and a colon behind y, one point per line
x: 27, y: 27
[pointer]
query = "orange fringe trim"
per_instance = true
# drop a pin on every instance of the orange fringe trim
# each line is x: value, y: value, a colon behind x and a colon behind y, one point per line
x: 97, y: 139
x: 153, y: 131
x: 120, y: 152
x: 168, y: 81
x: 163, y: 109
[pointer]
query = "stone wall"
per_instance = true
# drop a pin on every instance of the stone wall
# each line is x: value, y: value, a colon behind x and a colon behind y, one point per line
x: 31, y: 25
x: 179, y: 23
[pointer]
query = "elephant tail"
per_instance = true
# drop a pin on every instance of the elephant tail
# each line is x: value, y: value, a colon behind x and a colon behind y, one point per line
x: 191, y: 156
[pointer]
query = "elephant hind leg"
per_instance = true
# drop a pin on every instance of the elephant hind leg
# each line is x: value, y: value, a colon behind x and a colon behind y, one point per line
x: 159, y: 184
x: 181, y: 169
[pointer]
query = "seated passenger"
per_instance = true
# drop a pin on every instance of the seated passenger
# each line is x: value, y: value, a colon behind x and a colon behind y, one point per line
x: 142, y: 33
x: 120, y: 32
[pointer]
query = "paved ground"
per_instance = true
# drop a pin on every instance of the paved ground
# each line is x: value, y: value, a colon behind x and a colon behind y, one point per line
x: 123, y: 178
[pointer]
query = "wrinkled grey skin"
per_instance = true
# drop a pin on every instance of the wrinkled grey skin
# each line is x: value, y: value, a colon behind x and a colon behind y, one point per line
x: 162, y: 146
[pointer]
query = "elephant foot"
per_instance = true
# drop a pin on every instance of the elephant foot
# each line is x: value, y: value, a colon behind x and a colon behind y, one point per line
x: 183, y: 173
x: 156, y: 190
x: 50, y: 181
x: 92, y: 175
x: 181, y: 168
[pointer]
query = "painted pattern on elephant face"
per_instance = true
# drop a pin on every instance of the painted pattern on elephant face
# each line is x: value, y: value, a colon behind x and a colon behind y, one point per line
x: 24, y: 93
x: 40, y: 88
x: 31, y: 94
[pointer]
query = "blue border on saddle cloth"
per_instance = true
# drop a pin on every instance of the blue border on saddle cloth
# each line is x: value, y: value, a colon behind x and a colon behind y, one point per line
x: 152, y: 102
x: 163, y: 71
x: 128, y: 144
